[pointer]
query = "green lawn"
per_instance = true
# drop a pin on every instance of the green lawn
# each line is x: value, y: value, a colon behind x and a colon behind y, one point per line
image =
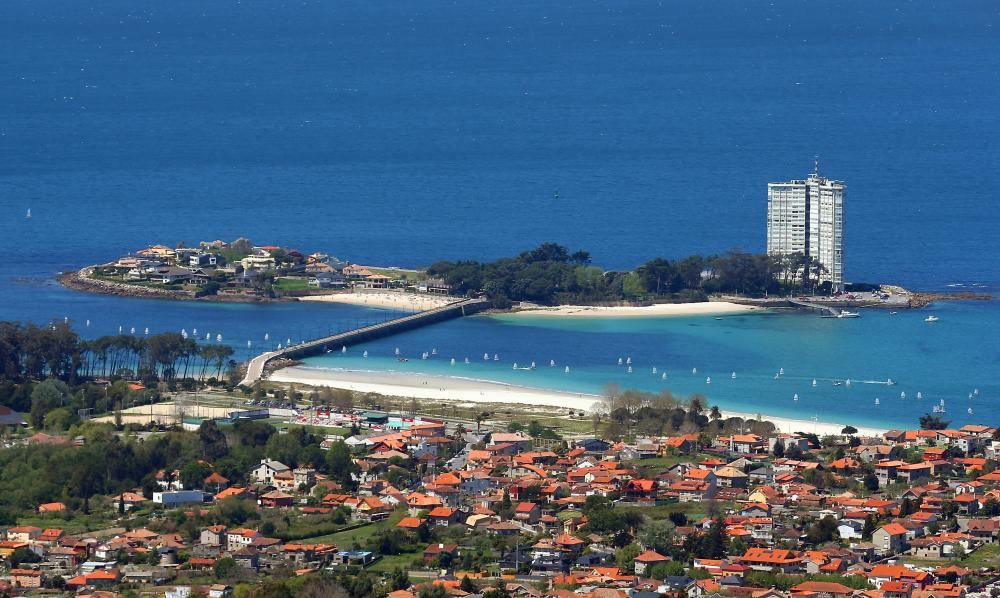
x: 987, y: 555
x: 291, y: 284
x: 387, y: 563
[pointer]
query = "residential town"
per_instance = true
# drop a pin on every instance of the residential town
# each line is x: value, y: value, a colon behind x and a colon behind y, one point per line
x: 405, y: 505
x: 240, y: 269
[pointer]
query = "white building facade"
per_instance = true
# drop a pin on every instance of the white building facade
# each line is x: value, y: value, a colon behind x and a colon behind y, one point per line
x: 807, y: 216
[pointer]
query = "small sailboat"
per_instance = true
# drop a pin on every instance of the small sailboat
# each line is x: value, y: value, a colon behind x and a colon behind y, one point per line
x: 452, y: 361
x: 795, y: 397
x: 515, y: 365
x: 267, y: 336
x: 628, y: 361
x: 343, y: 348
x: 218, y: 338
x: 620, y: 361
x: 733, y: 375
x: 88, y: 324
x: 120, y: 330
x: 194, y: 332
x: 694, y: 370
x: 566, y: 371
x: 28, y: 215
x: 552, y: 363
x: 466, y: 360
x: 781, y: 371
x: 847, y: 382
x: 496, y: 357
x: 434, y: 351
x: 365, y: 354
x: 397, y: 351
x: 249, y: 344
x: 423, y: 355
x: 970, y: 410
x: 920, y: 395
x: 708, y: 380
x: 776, y: 376
x: 146, y: 331
x: 533, y: 366
x: 876, y: 401
x: 975, y: 391
x: 654, y: 371
x: 630, y: 369
x: 663, y: 376
x: 814, y: 382
x: 486, y: 357
x: 902, y: 395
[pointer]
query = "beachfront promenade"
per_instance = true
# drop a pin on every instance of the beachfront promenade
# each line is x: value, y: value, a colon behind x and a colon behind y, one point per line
x: 255, y: 369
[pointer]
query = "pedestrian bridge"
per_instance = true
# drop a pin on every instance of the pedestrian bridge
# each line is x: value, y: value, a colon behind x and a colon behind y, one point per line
x: 257, y: 365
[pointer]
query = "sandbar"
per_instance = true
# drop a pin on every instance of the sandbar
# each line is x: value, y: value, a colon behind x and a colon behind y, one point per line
x: 659, y: 310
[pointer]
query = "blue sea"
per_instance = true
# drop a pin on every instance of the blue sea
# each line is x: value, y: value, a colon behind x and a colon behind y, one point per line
x: 402, y: 133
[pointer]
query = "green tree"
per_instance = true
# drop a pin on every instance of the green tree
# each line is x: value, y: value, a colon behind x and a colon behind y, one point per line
x: 657, y: 535
x: 340, y: 466
x: 625, y: 558
x: 46, y: 396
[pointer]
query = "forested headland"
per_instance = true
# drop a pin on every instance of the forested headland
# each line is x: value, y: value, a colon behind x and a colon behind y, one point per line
x: 551, y: 274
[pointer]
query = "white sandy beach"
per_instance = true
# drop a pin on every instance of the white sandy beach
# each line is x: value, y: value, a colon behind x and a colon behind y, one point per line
x: 482, y: 391
x: 385, y: 299
x: 659, y: 310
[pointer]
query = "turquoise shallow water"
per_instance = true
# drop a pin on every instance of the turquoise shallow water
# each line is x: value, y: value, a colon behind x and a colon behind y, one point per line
x: 944, y: 360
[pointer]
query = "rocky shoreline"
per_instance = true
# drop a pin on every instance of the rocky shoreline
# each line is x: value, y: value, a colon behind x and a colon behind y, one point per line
x: 81, y: 281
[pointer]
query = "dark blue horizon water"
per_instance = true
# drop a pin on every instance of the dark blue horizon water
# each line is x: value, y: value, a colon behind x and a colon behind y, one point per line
x: 399, y: 134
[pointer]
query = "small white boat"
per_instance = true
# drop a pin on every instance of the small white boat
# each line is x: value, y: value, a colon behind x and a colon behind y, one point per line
x: 452, y: 361
x: 664, y: 376
x: 621, y: 361
x: 630, y: 369
x: 876, y: 401
x: 365, y: 354
x: 552, y: 363
x: 970, y: 410
x: 694, y: 370
x: 920, y: 395
x: 902, y: 395
x: 486, y: 357
x: 708, y: 380
x: 814, y: 382
x: 28, y: 215
x: 795, y: 397
x: 434, y: 351
x: 533, y: 366
x: 654, y: 371
x: 628, y: 361
x: 343, y: 348
x: 781, y: 371
x: 566, y: 371
x: 515, y: 365
x: 848, y: 314
x: 776, y: 376
x: 837, y: 383
x: 733, y: 375
x: 496, y: 357
x: 931, y: 319
x: 466, y: 360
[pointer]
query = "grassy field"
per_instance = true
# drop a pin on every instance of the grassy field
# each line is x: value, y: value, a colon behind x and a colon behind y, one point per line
x: 77, y: 523
x: 291, y: 284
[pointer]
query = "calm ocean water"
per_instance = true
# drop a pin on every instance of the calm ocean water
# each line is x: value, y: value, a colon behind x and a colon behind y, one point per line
x: 400, y: 134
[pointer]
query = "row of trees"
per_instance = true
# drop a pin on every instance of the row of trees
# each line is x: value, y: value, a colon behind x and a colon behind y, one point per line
x: 108, y: 463
x: 551, y: 274
x: 34, y: 352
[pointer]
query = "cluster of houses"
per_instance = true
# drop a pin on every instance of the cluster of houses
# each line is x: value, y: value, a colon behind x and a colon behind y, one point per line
x: 904, y: 539
x: 207, y: 263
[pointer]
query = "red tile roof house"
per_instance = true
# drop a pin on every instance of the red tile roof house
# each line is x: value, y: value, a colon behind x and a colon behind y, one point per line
x: 527, y: 512
x: 436, y: 550
x: 889, y: 539
x: 779, y: 561
x: 51, y: 507
x: 26, y: 578
x: 647, y: 560
x: 444, y: 516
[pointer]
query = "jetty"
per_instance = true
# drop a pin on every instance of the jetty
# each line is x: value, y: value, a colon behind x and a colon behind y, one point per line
x: 257, y: 365
x: 816, y: 307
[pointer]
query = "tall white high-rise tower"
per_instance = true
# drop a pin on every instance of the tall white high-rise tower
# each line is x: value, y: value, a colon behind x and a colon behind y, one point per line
x: 807, y: 216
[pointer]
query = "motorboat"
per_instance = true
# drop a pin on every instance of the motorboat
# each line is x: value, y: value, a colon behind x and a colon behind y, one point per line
x: 931, y: 319
x: 848, y: 314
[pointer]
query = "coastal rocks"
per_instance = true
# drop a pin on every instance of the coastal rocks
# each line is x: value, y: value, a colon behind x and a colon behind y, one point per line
x: 83, y: 281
